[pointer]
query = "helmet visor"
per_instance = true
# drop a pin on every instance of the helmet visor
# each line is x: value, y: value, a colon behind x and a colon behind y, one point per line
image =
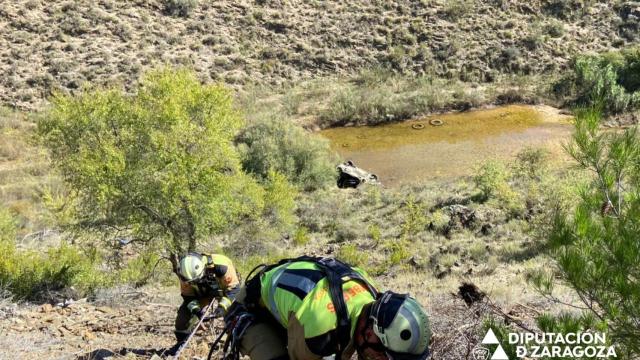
x: 385, y: 312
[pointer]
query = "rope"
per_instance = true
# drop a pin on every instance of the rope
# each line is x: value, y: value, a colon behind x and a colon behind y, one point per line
x: 186, y: 343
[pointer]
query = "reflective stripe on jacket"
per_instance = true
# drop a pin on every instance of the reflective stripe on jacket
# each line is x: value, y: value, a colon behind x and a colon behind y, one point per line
x: 301, y: 289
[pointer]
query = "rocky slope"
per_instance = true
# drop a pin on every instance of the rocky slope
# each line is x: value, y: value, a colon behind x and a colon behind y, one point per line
x: 50, y: 45
x: 139, y: 326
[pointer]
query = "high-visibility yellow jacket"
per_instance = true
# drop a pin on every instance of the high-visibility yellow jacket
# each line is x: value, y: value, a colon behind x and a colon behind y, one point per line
x: 297, y: 295
x: 220, y: 281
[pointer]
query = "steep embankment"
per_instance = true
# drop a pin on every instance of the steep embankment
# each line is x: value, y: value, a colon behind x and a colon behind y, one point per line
x: 49, y: 45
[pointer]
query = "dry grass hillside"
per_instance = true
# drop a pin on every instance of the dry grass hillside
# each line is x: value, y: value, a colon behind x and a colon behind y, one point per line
x: 50, y: 45
x: 317, y: 64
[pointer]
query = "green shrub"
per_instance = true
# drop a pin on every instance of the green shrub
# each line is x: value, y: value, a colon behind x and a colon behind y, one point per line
x: 374, y: 233
x: 345, y: 232
x: 350, y: 254
x: 415, y: 219
x: 602, y: 81
x: 491, y: 178
x: 279, y: 202
x: 159, y: 163
x: 379, y: 96
x: 398, y: 252
x: 626, y: 63
x: 533, y: 41
x: 180, y: 7
x: 278, y: 145
x: 373, y: 105
x: 508, y: 59
x: 35, y: 275
x: 555, y: 29
x: 565, y: 9
x: 439, y: 220
x: 373, y: 196
x: 599, y: 83
x: 595, y: 245
x: 42, y: 274
x: 457, y: 9
x: 8, y: 228
x: 531, y: 163
x: 139, y: 270
x: 301, y: 236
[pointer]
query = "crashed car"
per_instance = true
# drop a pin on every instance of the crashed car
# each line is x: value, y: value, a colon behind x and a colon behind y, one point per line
x: 350, y: 176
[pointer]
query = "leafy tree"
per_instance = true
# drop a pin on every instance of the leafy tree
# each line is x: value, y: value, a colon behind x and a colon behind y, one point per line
x: 598, y: 82
x: 608, y: 81
x: 627, y: 64
x: 158, y: 164
x: 278, y: 145
x: 596, y: 246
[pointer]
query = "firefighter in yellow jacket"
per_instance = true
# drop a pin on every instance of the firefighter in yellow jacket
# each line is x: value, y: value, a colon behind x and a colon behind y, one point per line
x: 203, y: 277
x: 309, y: 308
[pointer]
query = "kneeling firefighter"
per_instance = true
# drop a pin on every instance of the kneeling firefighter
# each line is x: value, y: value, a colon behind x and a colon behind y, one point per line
x: 203, y: 277
x: 309, y: 308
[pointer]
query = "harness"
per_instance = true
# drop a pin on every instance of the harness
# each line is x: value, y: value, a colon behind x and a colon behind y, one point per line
x: 336, y: 273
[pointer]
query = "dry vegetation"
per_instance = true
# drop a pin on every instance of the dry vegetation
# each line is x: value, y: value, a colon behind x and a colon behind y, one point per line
x: 25, y: 175
x: 61, y: 45
x: 341, y: 64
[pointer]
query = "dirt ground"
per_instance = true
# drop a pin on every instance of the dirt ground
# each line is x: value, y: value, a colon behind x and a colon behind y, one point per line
x: 139, y: 325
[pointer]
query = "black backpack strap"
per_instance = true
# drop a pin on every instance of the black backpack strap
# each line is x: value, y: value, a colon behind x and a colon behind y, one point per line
x: 336, y: 272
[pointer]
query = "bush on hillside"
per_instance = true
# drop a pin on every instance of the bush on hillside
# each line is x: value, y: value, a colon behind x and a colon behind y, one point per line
x: 609, y: 82
x: 158, y: 165
x: 279, y: 200
x: 180, y: 7
x: 491, y: 178
x: 30, y: 274
x: 374, y: 104
x: 531, y: 163
x: 278, y: 145
x: 565, y: 9
x: 63, y: 271
x: 595, y: 246
x: 494, y: 180
x: 626, y: 64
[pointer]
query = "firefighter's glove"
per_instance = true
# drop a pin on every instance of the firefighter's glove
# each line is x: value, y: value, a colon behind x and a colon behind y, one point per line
x: 198, y: 312
x: 224, y: 303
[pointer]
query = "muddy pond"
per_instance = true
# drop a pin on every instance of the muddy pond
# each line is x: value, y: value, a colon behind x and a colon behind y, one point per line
x: 450, y: 145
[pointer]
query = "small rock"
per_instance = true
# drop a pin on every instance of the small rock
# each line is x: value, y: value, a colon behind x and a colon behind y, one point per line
x: 104, y: 310
x: 46, y: 308
x: 88, y: 335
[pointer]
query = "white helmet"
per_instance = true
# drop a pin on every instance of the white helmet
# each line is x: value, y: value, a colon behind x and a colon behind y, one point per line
x: 402, y: 326
x: 191, y: 267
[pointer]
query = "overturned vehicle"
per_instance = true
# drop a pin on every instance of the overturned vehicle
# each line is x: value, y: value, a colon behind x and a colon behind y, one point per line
x: 351, y: 176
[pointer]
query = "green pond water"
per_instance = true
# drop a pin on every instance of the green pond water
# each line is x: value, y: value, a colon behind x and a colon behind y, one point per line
x: 399, y: 153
